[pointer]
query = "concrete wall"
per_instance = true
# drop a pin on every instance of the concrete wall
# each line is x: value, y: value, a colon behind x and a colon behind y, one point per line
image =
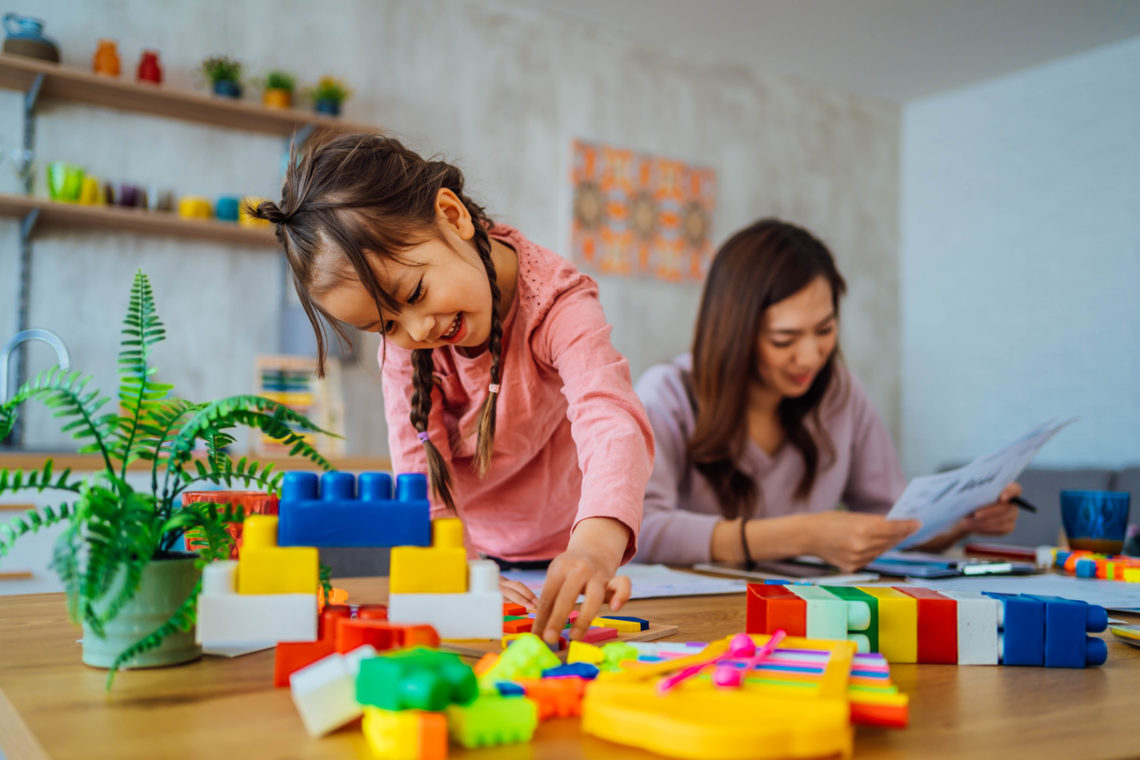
x: 498, y: 88
x: 1021, y: 261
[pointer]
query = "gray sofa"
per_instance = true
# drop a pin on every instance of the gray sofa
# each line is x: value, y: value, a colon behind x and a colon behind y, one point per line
x: 1042, y: 488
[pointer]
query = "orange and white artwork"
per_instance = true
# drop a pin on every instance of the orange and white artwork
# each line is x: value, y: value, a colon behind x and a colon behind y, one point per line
x: 637, y: 214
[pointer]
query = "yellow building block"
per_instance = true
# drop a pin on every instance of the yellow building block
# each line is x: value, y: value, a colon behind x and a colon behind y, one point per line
x: 438, y: 569
x: 405, y: 734
x: 266, y: 568
x: 580, y: 651
x: 898, y: 623
x: 624, y: 626
x: 1129, y: 574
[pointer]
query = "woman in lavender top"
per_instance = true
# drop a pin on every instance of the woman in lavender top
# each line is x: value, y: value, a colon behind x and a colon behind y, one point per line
x: 762, y: 432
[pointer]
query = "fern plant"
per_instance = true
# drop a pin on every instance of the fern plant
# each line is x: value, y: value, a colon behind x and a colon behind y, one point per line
x: 113, y: 530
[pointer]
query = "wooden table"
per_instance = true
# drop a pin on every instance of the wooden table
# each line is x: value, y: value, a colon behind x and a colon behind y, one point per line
x: 53, y: 706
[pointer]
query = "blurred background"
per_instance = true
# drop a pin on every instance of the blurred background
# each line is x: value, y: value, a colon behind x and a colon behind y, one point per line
x: 972, y: 165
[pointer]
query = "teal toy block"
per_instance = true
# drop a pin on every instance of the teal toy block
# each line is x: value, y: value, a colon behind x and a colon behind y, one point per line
x: 415, y: 679
x: 493, y: 720
x: 346, y: 511
x: 826, y: 613
x: 857, y: 613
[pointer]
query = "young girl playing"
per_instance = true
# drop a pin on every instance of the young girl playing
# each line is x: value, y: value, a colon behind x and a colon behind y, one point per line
x: 498, y: 375
x: 763, y: 431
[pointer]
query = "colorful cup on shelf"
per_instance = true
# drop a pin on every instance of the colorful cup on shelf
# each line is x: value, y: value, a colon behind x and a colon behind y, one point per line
x: 159, y: 199
x: 130, y: 195
x: 195, y: 207
x: 106, y: 58
x: 245, y: 219
x: 227, y: 208
x: 65, y: 180
x: 149, y: 69
x: 90, y: 192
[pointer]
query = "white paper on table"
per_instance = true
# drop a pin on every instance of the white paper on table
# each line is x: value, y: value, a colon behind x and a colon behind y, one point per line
x: 648, y: 581
x: 942, y: 499
x: 1112, y: 595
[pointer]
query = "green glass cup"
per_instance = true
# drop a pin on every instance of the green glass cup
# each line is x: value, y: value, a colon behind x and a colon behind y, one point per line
x: 65, y: 180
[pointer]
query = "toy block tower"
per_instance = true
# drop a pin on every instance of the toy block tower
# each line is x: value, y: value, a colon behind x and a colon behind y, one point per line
x: 439, y: 586
x: 266, y: 568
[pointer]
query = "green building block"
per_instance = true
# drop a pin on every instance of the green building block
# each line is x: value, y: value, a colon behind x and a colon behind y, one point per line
x: 492, y: 720
x: 614, y: 652
x: 526, y: 657
x: 415, y: 679
x: 853, y: 594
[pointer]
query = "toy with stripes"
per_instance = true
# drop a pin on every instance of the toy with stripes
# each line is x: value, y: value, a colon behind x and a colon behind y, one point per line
x: 913, y: 624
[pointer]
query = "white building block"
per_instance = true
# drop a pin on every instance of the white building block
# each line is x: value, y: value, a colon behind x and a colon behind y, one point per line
x: 979, y: 627
x: 228, y: 620
x: 477, y: 614
x: 325, y: 692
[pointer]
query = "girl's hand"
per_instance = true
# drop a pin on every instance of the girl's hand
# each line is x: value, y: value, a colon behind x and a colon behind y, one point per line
x: 997, y: 519
x: 574, y: 572
x: 517, y: 593
x: 849, y: 540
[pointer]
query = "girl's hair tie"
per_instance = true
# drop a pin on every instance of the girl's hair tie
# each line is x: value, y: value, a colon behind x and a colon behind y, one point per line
x: 493, y: 387
x: 423, y: 436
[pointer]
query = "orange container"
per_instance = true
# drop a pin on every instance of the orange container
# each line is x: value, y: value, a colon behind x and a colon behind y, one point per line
x: 106, y: 59
x: 252, y: 502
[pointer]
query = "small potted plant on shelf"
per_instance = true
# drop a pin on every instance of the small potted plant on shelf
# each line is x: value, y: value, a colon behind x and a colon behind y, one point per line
x: 128, y: 584
x: 278, y: 89
x: 328, y: 95
x: 224, y: 74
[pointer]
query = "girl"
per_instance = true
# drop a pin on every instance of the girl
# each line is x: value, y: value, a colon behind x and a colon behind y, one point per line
x: 764, y: 431
x: 498, y: 375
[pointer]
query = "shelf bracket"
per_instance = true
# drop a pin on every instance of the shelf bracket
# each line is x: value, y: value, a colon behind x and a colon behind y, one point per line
x: 28, y: 224
x: 33, y: 94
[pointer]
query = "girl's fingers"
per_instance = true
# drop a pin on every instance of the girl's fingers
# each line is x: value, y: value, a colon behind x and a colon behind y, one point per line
x: 519, y: 593
x: 595, y: 593
x: 566, y: 596
x: 618, y: 591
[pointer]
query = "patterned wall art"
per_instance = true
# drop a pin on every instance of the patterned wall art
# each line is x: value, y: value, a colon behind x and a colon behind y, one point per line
x: 637, y: 214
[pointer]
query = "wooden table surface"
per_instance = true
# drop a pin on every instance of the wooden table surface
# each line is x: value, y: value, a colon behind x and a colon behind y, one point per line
x: 51, y: 705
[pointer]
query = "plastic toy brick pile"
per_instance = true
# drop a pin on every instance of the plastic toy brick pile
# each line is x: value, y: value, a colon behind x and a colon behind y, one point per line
x: 812, y: 663
x: 1085, y: 564
x: 916, y: 624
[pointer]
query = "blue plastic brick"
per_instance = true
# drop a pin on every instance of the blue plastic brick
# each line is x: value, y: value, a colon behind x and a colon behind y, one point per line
x: 510, y: 689
x: 1066, y: 622
x: 573, y: 670
x: 338, y: 514
x: 1023, y: 639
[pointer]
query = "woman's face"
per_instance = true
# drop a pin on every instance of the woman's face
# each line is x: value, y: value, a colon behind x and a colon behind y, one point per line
x: 797, y: 337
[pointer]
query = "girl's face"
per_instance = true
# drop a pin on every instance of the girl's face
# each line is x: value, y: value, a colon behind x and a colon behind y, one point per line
x: 443, y: 288
x: 797, y: 337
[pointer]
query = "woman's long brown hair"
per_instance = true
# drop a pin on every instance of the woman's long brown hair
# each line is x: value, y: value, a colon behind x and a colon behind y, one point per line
x: 365, y: 195
x: 758, y: 266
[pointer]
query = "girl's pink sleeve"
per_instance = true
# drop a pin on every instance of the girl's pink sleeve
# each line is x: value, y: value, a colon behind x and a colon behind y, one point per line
x: 607, y: 421
x: 404, y: 447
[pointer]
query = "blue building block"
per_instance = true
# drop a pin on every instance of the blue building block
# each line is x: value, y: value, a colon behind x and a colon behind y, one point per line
x: 510, y: 689
x: 572, y: 670
x: 1066, y: 622
x: 339, y: 515
x: 1023, y: 639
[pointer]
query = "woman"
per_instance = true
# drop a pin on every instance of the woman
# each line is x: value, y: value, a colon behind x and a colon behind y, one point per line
x: 763, y: 432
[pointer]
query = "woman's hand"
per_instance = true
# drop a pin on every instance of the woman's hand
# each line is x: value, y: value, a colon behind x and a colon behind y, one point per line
x: 517, y: 593
x: 588, y: 566
x: 849, y: 540
x: 997, y: 519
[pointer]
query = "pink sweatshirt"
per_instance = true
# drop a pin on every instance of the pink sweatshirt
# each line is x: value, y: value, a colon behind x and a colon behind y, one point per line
x: 681, y: 508
x: 572, y: 440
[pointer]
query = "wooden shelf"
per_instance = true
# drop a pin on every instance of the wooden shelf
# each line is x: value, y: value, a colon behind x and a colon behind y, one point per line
x: 54, y: 214
x: 68, y: 83
x: 31, y: 460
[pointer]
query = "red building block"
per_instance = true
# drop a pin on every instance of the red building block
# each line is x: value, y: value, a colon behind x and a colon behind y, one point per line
x: 381, y: 635
x: 771, y: 607
x: 510, y: 608
x: 291, y: 656
x: 371, y: 612
x: 937, y: 625
x: 521, y: 625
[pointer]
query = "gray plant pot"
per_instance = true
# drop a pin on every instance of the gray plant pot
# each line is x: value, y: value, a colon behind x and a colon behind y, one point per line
x: 165, y: 585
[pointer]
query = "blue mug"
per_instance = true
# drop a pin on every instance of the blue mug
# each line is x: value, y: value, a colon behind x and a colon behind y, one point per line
x: 1095, y: 521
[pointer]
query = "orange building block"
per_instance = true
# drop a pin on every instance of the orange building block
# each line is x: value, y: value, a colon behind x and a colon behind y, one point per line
x: 555, y: 697
x: 510, y: 608
x: 522, y: 625
x: 771, y: 607
x: 382, y: 635
x: 291, y: 656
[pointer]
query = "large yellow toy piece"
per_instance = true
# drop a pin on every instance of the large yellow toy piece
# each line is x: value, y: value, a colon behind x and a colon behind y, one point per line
x: 766, y: 717
x: 437, y: 569
x: 898, y: 623
x: 266, y: 568
x: 698, y: 720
